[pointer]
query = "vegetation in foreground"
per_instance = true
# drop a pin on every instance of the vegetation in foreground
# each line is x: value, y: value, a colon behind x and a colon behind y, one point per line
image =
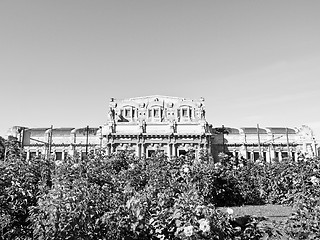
x: 121, y: 197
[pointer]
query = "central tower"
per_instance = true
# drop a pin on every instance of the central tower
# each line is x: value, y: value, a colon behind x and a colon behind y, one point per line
x: 156, y: 123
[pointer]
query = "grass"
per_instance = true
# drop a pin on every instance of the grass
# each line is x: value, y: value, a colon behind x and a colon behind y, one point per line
x: 276, y: 213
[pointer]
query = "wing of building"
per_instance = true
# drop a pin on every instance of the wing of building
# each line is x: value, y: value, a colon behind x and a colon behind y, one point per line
x: 173, y: 125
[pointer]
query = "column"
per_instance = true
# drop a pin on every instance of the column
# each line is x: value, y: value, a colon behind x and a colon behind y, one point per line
x: 314, y: 149
x: 174, y: 153
x: 169, y: 150
x: 272, y: 153
x: 111, y: 148
x: 138, y: 153
x: 243, y: 151
x: 197, y: 146
x: 208, y: 146
x: 144, y: 150
x: 268, y: 155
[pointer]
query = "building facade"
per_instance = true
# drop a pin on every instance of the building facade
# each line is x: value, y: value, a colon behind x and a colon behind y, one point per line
x: 59, y: 142
x: 172, y: 125
x: 145, y: 125
x: 268, y: 143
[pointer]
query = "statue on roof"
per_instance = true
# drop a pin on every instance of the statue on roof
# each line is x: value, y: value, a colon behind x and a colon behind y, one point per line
x: 111, y: 114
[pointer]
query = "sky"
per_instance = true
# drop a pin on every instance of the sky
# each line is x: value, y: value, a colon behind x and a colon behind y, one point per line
x: 254, y: 62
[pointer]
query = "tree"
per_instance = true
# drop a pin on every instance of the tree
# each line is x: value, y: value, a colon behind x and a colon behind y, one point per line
x: 2, y: 148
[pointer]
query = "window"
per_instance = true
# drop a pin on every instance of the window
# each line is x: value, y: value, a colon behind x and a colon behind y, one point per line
x: 156, y: 113
x: 127, y: 113
x: 150, y: 113
x: 151, y: 153
x: 83, y: 155
x: 32, y: 155
x: 58, y: 155
x: 264, y: 155
x: 182, y: 153
x: 184, y: 112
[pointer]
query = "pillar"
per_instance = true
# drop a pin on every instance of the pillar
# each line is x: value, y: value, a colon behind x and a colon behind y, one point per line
x: 272, y: 153
x: 144, y: 150
x: 138, y: 150
x: 169, y: 150
x: 314, y: 149
x: 174, y: 150
x: 268, y: 155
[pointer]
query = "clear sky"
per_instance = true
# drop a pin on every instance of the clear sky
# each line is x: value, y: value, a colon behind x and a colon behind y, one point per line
x: 254, y: 62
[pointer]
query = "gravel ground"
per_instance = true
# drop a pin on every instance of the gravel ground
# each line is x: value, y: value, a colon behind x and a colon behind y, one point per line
x: 272, y: 212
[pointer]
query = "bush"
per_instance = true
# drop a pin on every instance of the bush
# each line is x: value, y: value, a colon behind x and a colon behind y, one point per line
x: 122, y: 197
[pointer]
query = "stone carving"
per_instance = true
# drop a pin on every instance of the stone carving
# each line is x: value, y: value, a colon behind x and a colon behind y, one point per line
x: 202, y: 113
x: 170, y: 105
x: 142, y: 105
x: 142, y: 126
x: 173, y: 126
x: 111, y: 114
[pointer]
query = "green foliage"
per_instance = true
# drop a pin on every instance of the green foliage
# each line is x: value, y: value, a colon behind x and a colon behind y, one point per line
x: 20, y: 183
x: 2, y: 148
x: 122, y: 197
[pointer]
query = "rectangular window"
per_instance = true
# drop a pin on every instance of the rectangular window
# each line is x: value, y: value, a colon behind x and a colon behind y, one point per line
x: 284, y: 154
x: 33, y: 155
x: 156, y: 113
x: 151, y: 153
x: 58, y: 155
x: 182, y: 153
x: 127, y: 113
x: 150, y: 113
x: 264, y: 155
x: 184, y: 112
